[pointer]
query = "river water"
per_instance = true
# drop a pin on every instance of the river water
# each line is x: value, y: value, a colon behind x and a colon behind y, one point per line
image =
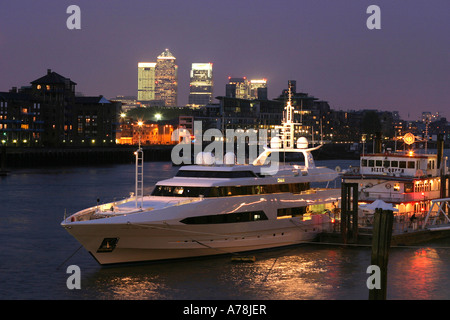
x: 36, y: 251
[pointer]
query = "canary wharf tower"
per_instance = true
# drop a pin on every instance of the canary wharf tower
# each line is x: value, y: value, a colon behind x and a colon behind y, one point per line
x: 201, y: 84
x: 166, y: 79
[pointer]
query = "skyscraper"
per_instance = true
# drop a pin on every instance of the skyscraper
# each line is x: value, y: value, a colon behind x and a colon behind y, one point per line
x: 238, y: 88
x: 258, y: 89
x: 146, y: 81
x: 166, y: 79
x: 201, y: 84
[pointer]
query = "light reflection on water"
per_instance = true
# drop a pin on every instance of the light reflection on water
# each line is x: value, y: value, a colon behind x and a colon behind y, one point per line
x: 301, y: 272
x: 422, y: 274
x: 35, y: 247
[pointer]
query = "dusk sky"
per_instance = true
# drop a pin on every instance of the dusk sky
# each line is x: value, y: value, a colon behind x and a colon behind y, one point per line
x: 323, y: 44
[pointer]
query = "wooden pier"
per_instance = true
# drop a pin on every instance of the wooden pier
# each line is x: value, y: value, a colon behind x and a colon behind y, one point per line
x: 365, y: 237
x: 349, y: 230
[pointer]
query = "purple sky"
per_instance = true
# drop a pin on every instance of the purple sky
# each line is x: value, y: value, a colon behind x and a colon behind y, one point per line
x: 323, y: 44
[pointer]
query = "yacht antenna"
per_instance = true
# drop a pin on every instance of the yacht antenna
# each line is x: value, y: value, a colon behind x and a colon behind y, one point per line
x: 288, y: 125
x: 301, y: 112
x: 321, y: 131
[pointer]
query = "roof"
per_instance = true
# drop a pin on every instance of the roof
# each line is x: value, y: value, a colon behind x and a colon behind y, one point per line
x: 9, y: 96
x: 52, y: 78
x: 91, y: 100
x: 166, y: 55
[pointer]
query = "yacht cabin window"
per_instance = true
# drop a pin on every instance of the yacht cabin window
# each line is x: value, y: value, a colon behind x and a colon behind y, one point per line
x: 227, y: 218
x: 215, y: 174
x: 228, y: 191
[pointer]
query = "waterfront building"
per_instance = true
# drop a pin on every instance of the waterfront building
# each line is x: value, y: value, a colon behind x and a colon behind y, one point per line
x: 201, y: 84
x: 48, y: 113
x: 96, y: 121
x: 166, y: 79
x: 21, y: 120
x: 128, y: 102
x: 148, y: 133
x: 146, y: 81
x: 236, y: 113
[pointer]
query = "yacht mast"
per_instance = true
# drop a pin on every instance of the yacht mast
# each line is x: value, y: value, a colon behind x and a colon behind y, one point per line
x: 288, y: 124
x: 139, y: 188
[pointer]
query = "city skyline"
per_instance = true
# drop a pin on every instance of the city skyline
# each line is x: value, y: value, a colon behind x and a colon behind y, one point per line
x: 324, y: 45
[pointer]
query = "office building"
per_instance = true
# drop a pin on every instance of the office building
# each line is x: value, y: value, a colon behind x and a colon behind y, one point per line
x: 146, y: 81
x: 166, y: 75
x: 237, y: 88
x: 258, y: 89
x: 201, y: 84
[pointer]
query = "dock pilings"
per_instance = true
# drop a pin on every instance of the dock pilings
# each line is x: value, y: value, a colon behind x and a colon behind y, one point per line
x: 349, y: 212
x: 381, y: 242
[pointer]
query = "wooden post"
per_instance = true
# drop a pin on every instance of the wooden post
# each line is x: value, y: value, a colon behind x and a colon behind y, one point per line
x: 3, y: 171
x: 381, y: 241
x: 349, y: 212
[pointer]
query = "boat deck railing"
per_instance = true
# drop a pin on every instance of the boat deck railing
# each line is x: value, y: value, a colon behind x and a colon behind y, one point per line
x: 404, y: 223
x: 391, y: 196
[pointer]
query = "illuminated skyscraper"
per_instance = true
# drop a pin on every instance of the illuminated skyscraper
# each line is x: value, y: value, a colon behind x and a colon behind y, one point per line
x: 166, y: 75
x: 146, y: 81
x: 258, y: 89
x: 201, y: 84
x: 238, y: 88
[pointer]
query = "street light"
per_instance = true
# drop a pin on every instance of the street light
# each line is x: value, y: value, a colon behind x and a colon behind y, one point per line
x: 140, y: 123
x: 158, y: 116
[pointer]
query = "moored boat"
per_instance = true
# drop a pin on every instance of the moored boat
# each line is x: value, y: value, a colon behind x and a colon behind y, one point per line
x: 409, y: 182
x: 209, y: 209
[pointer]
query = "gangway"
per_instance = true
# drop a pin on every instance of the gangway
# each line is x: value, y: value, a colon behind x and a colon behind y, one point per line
x: 441, y: 203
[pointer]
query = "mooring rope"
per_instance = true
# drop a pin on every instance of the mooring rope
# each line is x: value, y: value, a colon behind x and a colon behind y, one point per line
x: 69, y: 257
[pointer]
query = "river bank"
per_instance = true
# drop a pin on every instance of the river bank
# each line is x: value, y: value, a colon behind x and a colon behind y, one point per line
x: 26, y: 157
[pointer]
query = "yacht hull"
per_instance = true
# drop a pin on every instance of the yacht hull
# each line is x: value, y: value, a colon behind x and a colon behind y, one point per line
x: 127, y: 243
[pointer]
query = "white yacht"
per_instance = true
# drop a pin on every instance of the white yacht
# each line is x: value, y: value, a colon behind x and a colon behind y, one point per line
x: 213, y: 209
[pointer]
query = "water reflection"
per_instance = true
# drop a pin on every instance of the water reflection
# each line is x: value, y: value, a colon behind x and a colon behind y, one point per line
x: 34, y: 245
x: 419, y: 275
x: 302, y: 272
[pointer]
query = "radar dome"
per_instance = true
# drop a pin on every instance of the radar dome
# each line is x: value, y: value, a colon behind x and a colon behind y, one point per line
x: 302, y: 143
x: 275, y: 143
x: 199, y: 158
x: 208, y: 158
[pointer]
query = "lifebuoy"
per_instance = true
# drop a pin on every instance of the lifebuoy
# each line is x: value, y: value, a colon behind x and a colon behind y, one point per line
x: 388, y: 186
